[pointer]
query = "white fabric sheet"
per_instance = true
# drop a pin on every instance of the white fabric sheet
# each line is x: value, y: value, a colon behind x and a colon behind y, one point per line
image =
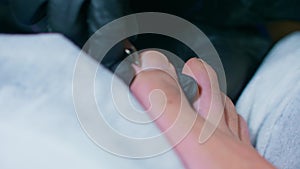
x: 38, y: 124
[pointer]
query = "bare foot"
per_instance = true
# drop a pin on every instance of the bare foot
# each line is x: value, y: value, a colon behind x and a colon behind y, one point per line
x: 156, y: 87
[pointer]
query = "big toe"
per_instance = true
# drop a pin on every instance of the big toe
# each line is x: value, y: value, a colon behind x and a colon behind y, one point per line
x: 156, y: 87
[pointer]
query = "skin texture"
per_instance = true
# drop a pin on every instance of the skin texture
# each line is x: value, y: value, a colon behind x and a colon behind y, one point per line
x: 156, y: 88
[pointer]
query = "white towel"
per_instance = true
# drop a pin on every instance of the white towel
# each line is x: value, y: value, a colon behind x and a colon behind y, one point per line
x: 271, y: 105
x: 38, y: 124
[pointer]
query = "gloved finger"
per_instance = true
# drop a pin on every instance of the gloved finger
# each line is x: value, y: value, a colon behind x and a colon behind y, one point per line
x: 189, y: 87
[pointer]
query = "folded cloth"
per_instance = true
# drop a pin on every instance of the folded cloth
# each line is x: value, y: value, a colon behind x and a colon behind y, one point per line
x: 38, y: 124
x: 271, y: 104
